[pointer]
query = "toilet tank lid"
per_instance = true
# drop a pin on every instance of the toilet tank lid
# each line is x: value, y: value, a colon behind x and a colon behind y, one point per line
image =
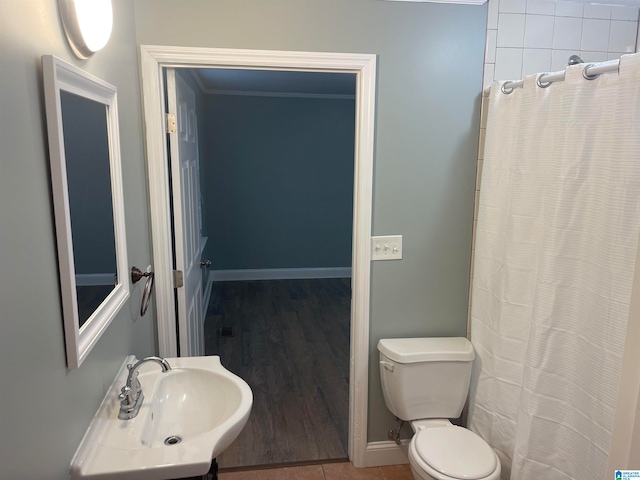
x: 438, y: 349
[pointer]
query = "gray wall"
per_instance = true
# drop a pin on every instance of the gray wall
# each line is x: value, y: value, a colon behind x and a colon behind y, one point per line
x: 429, y: 81
x: 277, y: 181
x: 46, y: 408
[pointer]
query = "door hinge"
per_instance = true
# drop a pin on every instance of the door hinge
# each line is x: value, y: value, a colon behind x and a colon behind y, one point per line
x: 172, y: 124
x: 178, y: 279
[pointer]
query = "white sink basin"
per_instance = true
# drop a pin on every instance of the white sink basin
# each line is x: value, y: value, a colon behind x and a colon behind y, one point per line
x: 189, y: 416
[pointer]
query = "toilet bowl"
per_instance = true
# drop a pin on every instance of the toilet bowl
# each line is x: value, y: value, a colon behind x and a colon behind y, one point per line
x: 426, y: 381
x: 450, y: 452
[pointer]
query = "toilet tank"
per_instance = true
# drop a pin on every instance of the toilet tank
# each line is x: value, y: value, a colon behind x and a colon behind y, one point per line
x: 425, y: 377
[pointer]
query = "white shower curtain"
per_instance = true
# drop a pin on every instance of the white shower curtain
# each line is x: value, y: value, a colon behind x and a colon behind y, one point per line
x: 556, y: 240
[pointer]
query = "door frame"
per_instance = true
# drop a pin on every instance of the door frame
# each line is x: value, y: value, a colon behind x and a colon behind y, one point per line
x: 152, y: 60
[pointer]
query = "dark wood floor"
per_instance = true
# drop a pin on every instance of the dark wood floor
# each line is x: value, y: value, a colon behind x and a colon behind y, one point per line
x: 289, y: 340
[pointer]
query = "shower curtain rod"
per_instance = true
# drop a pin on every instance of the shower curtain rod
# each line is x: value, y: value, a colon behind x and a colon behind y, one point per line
x: 591, y: 71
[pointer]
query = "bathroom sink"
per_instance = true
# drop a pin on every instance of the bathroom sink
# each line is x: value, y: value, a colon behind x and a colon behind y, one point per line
x: 189, y: 416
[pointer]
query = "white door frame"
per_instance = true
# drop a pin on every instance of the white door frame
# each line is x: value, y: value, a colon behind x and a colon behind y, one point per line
x: 153, y: 59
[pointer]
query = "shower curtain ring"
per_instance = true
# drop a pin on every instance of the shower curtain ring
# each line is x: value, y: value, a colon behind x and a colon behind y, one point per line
x: 540, y: 83
x: 588, y: 76
x: 506, y: 89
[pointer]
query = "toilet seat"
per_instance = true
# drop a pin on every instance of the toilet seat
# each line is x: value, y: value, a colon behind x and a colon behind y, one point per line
x: 453, y: 453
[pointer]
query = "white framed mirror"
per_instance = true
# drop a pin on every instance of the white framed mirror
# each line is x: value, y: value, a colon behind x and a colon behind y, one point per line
x: 86, y: 181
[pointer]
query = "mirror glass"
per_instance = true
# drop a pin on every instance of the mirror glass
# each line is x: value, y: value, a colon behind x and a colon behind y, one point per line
x: 86, y: 180
x: 86, y: 148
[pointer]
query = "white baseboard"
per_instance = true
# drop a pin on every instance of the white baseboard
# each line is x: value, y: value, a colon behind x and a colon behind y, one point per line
x: 379, y: 454
x: 94, y: 279
x: 280, y: 273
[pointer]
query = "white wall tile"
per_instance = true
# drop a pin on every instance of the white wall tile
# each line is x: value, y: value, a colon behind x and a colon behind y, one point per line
x: 492, y: 14
x: 489, y: 69
x: 597, y: 11
x: 535, y: 60
x: 560, y: 58
x: 511, y: 29
x: 512, y: 6
x: 538, y: 32
x: 490, y: 46
x: 595, y: 35
x: 594, y: 56
x: 567, y: 33
x: 520, y: 44
x: 624, y: 13
x: 508, y: 64
x: 541, y: 7
x: 614, y: 55
x: 623, y: 36
x: 569, y: 9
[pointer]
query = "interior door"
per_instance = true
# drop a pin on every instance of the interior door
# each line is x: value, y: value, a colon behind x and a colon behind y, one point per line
x: 183, y: 147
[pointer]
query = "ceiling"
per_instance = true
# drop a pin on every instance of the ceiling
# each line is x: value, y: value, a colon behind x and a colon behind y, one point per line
x: 218, y: 80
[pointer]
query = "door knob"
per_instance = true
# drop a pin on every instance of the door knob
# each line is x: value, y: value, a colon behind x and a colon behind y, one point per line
x: 205, y: 263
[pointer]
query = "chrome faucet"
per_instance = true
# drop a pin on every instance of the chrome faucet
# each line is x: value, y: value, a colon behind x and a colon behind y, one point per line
x: 131, y: 395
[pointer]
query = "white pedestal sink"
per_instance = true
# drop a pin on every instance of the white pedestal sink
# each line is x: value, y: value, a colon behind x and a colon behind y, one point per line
x: 189, y: 416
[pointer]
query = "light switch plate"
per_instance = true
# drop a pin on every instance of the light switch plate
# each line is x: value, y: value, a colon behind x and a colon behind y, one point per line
x: 388, y: 247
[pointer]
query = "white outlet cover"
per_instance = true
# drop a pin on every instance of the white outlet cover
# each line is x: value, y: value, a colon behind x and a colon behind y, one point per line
x: 387, y: 247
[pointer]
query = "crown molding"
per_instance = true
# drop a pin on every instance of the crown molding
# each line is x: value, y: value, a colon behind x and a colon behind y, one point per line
x: 246, y: 93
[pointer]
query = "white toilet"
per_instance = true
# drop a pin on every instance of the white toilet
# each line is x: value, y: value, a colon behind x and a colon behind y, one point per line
x: 426, y: 381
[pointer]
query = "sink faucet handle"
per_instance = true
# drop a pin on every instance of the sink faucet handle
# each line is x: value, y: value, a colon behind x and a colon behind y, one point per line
x: 131, y: 395
x: 124, y: 392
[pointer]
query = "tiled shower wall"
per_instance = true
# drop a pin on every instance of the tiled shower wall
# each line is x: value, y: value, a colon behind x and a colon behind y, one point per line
x: 531, y: 36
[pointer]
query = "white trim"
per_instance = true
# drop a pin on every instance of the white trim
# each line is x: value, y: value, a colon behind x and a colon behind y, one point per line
x: 153, y: 59
x: 93, y: 279
x: 279, y: 273
x: 159, y: 207
x: 245, y: 93
x: 379, y: 454
x: 198, y: 79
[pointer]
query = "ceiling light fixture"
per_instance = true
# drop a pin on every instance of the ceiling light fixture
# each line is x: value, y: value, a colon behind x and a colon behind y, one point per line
x: 87, y: 23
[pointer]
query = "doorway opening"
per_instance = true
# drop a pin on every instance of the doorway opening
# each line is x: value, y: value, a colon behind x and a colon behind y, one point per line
x: 262, y: 169
x: 153, y: 60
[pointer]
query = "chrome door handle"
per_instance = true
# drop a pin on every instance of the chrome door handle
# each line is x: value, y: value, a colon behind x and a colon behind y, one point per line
x: 205, y: 263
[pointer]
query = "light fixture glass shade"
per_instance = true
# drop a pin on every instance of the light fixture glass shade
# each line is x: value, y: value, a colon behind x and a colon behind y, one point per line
x: 87, y: 24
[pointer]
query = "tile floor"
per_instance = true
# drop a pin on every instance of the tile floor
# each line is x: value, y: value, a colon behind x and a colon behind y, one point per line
x: 329, y: 471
